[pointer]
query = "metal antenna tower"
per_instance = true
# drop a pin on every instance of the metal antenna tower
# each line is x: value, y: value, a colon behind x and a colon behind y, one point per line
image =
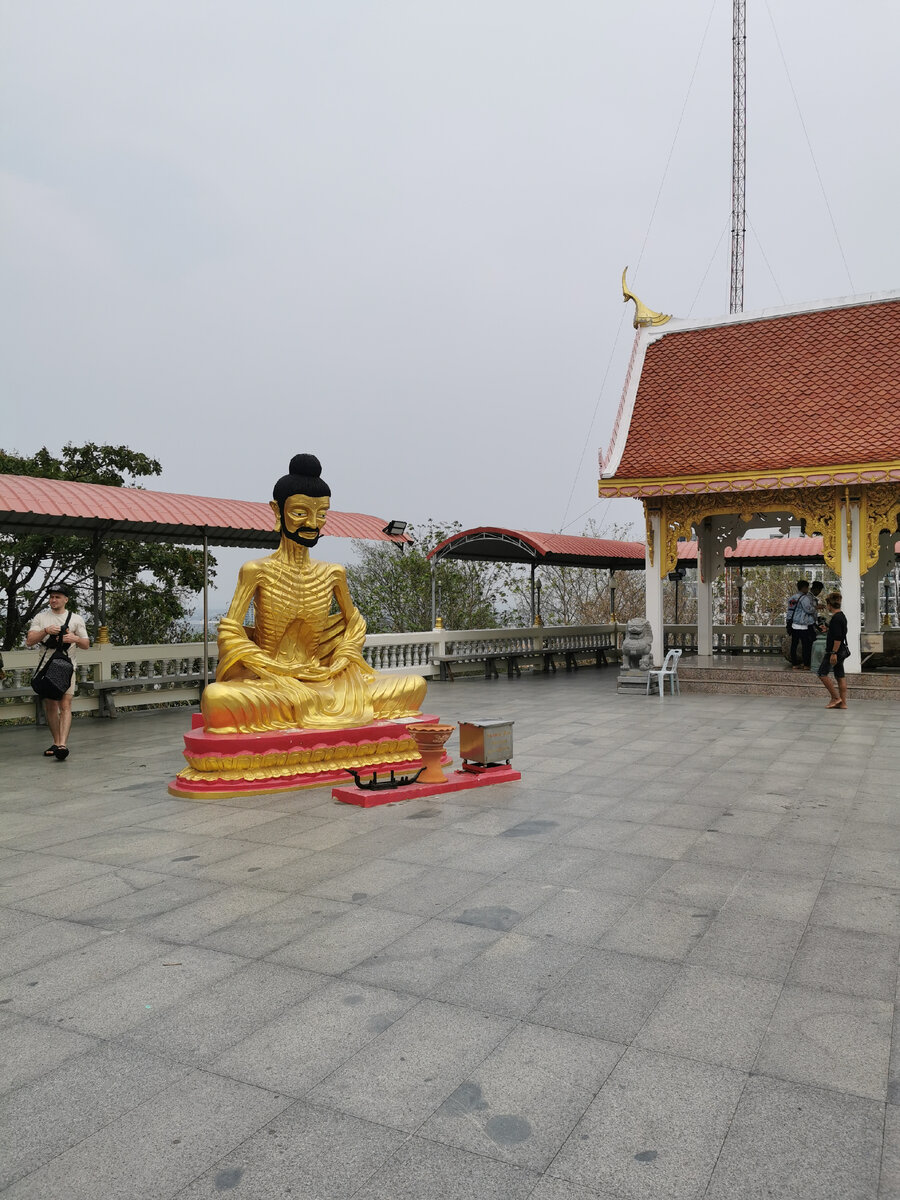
x: 738, y: 154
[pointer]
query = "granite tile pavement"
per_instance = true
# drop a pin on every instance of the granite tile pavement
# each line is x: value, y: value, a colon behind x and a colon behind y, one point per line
x: 663, y: 966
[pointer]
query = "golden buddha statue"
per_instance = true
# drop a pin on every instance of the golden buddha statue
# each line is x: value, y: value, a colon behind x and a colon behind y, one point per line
x: 300, y: 666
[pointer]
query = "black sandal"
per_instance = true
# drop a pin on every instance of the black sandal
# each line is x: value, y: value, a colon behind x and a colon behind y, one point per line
x: 50, y: 752
x: 62, y: 753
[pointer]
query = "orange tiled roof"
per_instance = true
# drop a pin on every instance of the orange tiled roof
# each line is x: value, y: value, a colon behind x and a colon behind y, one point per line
x: 786, y: 392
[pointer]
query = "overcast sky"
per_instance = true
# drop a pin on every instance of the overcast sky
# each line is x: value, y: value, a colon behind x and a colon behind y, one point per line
x: 392, y: 233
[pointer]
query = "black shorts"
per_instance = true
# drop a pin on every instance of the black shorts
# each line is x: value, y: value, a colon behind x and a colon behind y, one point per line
x: 825, y: 667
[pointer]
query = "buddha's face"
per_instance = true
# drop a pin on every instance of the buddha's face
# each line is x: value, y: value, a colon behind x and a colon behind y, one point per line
x: 302, y: 518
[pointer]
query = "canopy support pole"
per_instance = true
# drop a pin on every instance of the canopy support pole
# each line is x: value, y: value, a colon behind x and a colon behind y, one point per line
x: 433, y: 593
x: 95, y: 553
x: 205, y: 607
x: 532, y: 592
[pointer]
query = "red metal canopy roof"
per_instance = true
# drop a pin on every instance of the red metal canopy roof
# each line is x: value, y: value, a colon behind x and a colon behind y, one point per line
x: 772, y: 392
x: 787, y: 549
x: 48, y: 506
x: 491, y: 543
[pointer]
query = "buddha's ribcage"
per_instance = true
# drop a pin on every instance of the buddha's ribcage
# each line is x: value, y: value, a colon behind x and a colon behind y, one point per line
x: 283, y: 600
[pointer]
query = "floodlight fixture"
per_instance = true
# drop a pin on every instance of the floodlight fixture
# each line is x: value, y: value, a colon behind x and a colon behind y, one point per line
x: 395, y: 528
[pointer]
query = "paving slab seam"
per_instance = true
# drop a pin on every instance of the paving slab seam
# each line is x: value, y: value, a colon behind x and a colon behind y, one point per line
x: 106, y: 1124
x: 752, y: 1070
x: 752, y: 1075
x: 881, y: 1162
x: 319, y: 1107
x: 124, y: 1035
x: 401, y: 1150
x: 517, y: 1023
x: 289, y: 1103
x: 721, y: 1145
x: 417, y: 1132
x: 748, y: 1074
x: 818, y: 1087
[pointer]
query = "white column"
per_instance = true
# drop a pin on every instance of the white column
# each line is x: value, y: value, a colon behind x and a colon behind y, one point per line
x: 705, y: 576
x: 850, y: 582
x: 653, y: 588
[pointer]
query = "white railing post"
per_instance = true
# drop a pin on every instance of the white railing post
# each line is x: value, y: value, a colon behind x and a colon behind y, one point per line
x: 438, y: 647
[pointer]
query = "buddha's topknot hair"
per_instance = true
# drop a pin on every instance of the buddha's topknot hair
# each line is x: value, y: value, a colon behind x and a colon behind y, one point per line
x: 304, y: 478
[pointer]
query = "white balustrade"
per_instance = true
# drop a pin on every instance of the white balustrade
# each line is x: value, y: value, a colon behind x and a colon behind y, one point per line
x: 149, y: 675
x: 755, y: 639
x: 401, y: 653
x: 165, y: 674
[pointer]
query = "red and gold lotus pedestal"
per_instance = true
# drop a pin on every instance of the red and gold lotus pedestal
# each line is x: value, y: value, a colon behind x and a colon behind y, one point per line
x: 221, y: 766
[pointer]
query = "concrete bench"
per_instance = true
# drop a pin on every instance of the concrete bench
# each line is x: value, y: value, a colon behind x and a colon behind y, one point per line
x: 26, y: 693
x: 446, y: 663
x: 573, y: 654
x: 143, y: 686
x: 547, y: 657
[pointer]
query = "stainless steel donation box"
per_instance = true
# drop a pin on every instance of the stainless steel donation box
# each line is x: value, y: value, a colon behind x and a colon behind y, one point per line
x: 485, y: 742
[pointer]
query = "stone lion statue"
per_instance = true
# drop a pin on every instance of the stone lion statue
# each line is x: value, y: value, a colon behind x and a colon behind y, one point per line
x: 636, y: 645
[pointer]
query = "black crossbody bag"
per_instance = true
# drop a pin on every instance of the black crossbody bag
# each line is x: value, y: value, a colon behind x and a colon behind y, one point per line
x: 54, y: 674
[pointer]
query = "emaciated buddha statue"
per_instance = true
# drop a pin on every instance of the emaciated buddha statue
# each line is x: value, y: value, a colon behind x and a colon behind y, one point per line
x: 301, y: 665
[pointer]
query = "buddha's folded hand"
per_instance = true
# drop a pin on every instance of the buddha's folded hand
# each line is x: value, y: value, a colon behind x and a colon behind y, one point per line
x: 307, y: 669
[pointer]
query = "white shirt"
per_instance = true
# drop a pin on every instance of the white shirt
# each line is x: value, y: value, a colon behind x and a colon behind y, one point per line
x: 48, y: 617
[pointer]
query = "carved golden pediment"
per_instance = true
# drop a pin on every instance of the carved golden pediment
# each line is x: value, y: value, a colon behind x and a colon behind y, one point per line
x: 879, y: 513
x: 818, y: 508
x: 650, y: 537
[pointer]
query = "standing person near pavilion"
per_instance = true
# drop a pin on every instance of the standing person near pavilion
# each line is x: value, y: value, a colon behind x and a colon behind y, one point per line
x: 801, y: 620
x: 46, y: 631
x: 836, y: 651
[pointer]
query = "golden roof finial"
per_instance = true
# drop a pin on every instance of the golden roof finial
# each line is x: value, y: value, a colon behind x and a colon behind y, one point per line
x: 643, y: 316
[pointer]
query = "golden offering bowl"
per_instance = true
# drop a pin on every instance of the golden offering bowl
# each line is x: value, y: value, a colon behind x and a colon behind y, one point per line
x: 430, y: 737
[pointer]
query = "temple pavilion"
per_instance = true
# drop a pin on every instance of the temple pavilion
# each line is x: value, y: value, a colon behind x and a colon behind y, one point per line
x: 775, y: 419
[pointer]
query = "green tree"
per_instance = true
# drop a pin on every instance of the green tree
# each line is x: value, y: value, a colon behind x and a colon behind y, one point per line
x: 149, y: 596
x: 581, y: 595
x: 766, y: 590
x: 392, y: 587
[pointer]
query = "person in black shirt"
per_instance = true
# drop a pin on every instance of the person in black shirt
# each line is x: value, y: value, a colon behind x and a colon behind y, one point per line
x: 836, y: 651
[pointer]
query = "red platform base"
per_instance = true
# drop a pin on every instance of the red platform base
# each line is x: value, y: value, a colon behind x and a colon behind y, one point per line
x: 253, y: 764
x: 459, y: 781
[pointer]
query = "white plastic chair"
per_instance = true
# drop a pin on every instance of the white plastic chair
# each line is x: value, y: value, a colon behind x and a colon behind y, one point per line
x: 668, y: 671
